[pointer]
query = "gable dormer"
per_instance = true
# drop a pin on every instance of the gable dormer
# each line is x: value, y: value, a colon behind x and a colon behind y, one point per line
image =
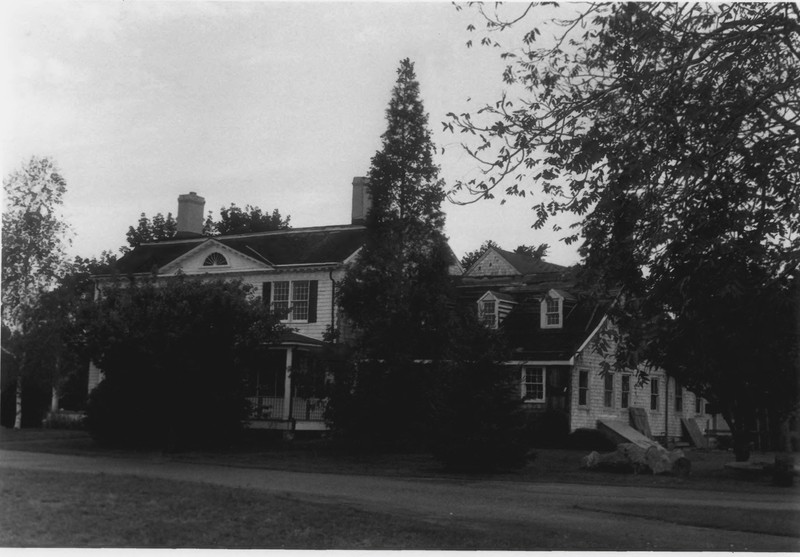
x: 491, y: 264
x: 552, y: 310
x: 493, y: 308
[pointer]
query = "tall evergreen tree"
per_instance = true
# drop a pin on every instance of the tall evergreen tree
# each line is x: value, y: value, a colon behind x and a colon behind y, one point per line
x: 395, y: 293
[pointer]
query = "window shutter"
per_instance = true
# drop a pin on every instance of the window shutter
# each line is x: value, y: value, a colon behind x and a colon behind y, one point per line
x: 266, y: 293
x: 312, y: 301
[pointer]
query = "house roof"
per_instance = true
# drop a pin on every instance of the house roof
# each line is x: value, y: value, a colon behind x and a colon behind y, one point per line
x: 294, y: 246
x: 502, y: 296
x: 521, y: 328
x: 526, y: 264
x: 528, y: 341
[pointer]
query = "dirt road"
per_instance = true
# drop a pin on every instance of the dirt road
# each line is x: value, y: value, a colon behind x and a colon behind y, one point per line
x: 605, y: 513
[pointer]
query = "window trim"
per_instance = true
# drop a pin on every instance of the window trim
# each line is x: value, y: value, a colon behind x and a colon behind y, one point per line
x: 290, y: 301
x: 482, y: 314
x: 583, y: 377
x: 608, y: 393
x: 551, y: 296
x: 625, y: 391
x: 655, y: 393
x: 524, y: 385
x: 209, y: 264
x: 678, y: 397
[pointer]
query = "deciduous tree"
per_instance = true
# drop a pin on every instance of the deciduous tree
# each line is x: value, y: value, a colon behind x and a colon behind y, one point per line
x: 175, y: 356
x: 235, y: 220
x: 150, y: 230
x: 672, y: 131
x: 34, y: 240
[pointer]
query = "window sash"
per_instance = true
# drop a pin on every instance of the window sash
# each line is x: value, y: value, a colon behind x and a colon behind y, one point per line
x: 291, y: 299
x: 654, y: 394
x: 608, y: 393
x: 625, y: 391
x: 488, y: 314
x: 583, y: 388
x: 533, y: 384
x: 678, y: 397
x: 300, y: 291
x: 552, y: 312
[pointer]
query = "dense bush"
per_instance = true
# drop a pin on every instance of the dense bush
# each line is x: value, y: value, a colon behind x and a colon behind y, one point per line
x: 175, y: 357
x: 380, y: 406
x: 477, y: 421
x: 590, y: 440
x: 548, y: 429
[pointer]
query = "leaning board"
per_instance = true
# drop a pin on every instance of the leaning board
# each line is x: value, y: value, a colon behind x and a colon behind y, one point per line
x: 639, y: 421
x: 694, y: 433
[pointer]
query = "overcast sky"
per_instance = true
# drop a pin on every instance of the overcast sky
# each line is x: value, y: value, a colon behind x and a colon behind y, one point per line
x: 273, y: 104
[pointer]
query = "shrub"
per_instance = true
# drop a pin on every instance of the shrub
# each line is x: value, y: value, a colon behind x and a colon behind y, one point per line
x: 175, y: 357
x: 477, y: 420
x: 590, y: 440
x: 548, y: 429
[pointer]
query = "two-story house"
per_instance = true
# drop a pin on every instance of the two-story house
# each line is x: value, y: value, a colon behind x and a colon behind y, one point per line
x: 551, y: 330
x: 295, y: 271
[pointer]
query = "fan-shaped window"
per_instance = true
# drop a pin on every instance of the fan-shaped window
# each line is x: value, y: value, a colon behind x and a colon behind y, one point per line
x: 214, y: 260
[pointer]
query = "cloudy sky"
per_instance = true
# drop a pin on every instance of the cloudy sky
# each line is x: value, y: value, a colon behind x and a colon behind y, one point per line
x: 273, y: 104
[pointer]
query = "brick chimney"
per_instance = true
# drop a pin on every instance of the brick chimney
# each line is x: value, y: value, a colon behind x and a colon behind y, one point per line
x: 190, y: 213
x: 362, y: 200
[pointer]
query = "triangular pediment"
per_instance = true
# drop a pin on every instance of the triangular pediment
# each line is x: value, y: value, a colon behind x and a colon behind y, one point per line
x: 491, y: 263
x: 213, y: 257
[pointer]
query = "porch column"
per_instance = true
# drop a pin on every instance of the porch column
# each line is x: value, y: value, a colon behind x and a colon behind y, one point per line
x: 287, y: 389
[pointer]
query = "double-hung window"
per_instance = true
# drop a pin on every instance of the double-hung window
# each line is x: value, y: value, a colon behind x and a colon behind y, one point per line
x: 553, y: 313
x: 583, y: 388
x: 280, y: 298
x: 488, y: 313
x: 300, y: 300
x: 654, y: 394
x: 608, y: 391
x: 295, y: 301
x: 625, y: 392
x: 678, y: 397
x: 533, y: 384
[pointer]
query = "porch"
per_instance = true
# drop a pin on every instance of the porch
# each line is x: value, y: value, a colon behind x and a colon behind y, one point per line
x: 287, y: 392
x: 301, y: 413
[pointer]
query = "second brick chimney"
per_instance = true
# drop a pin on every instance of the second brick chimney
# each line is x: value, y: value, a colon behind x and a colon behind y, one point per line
x: 190, y: 213
x: 362, y: 200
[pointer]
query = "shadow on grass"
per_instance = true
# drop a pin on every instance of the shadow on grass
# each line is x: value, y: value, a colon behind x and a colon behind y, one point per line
x: 313, y: 453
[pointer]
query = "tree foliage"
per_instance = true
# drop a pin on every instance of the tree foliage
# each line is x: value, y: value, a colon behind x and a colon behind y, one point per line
x: 232, y: 220
x: 235, y: 220
x: 671, y: 130
x: 396, y: 290
x: 34, y: 236
x: 175, y: 356
x: 150, y: 230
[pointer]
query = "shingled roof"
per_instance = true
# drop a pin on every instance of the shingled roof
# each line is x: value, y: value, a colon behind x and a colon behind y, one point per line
x: 526, y: 264
x: 294, y: 246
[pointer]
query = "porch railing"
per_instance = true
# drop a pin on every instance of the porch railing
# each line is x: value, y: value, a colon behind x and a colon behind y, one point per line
x: 272, y: 408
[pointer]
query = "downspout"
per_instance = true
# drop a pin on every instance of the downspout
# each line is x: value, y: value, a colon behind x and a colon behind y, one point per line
x: 666, y: 411
x: 333, y: 300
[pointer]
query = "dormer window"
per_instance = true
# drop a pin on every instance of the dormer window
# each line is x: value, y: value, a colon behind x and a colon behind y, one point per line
x: 552, y: 310
x: 553, y: 313
x: 493, y: 308
x: 216, y: 259
x: 488, y: 313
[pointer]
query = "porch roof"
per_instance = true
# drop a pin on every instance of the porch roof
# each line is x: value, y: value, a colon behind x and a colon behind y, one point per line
x: 291, y: 338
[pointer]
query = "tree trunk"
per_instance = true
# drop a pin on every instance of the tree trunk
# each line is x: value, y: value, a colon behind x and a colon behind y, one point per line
x: 18, y: 415
x: 54, y: 400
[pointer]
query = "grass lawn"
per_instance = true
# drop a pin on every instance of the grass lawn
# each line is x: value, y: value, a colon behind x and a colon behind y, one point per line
x: 260, y: 450
x: 43, y: 509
